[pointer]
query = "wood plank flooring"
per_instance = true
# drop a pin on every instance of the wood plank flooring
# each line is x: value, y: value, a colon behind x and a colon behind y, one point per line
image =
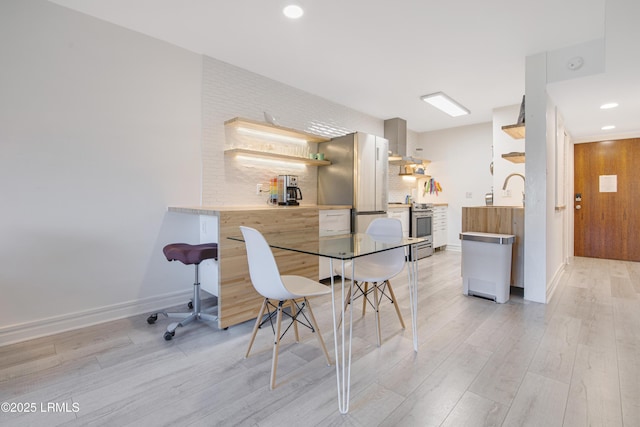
x: 572, y: 362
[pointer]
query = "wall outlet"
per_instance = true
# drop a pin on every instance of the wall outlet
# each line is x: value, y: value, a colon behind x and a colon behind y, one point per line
x: 506, y: 193
x: 258, y: 188
x: 469, y: 195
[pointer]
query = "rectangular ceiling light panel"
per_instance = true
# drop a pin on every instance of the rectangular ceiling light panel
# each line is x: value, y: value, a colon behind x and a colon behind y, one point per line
x: 444, y: 103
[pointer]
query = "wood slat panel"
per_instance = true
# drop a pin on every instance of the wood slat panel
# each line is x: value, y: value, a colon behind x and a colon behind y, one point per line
x: 237, y: 299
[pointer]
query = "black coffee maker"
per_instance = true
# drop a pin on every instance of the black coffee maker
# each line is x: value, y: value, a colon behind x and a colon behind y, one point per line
x: 288, y: 191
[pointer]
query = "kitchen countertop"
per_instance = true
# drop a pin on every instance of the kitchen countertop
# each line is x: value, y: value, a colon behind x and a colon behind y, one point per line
x: 496, y: 207
x: 405, y: 205
x: 209, y: 210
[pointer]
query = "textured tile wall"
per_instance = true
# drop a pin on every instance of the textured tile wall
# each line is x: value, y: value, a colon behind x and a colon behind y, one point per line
x: 398, y: 187
x: 229, y: 92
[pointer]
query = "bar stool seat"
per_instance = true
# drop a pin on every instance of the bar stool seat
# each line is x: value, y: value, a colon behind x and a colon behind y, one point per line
x: 188, y: 255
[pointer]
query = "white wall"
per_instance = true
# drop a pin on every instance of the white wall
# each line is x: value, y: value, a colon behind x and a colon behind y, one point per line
x: 100, y: 131
x: 545, y: 252
x: 536, y: 167
x: 557, y: 231
x: 460, y: 159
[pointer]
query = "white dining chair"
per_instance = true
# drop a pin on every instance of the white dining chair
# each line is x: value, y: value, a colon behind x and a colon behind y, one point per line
x: 286, y: 290
x: 372, y: 273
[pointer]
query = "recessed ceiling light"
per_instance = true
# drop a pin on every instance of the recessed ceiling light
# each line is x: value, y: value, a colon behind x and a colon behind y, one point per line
x: 608, y: 105
x: 293, y: 11
x: 444, y: 103
x: 609, y: 127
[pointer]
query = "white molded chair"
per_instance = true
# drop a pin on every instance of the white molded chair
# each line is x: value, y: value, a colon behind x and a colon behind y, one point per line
x: 377, y: 270
x: 286, y: 290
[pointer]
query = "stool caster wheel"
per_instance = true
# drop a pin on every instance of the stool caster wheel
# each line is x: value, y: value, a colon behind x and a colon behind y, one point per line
x: 152, y: 319
x: 190, y: 305
x: 168, y: 335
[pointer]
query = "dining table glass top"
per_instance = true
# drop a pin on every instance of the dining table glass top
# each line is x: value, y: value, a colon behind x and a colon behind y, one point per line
x: 343, y: 246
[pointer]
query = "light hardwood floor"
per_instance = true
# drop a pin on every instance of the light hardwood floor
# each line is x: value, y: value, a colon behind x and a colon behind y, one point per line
x: 572, y: 362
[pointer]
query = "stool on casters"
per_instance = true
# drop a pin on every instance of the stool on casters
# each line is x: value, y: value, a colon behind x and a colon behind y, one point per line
x: 188, y: 255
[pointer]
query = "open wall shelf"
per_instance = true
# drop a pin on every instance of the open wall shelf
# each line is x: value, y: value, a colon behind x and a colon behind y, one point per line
x: 276, y: 156
x: 514, y: 157
x: 516, y: 131
x: 268, y: 128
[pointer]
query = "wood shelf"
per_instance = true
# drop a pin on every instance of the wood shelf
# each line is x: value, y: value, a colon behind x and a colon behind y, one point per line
x: 514, y: 157
x: 410, y: 169
x: 417, y: 175
x: 516, y: 131
x: 276, y: 156
x: 273, y: 129
x: 399, y: 161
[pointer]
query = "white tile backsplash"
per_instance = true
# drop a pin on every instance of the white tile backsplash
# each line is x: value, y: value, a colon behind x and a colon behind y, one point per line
x: 229, y: 92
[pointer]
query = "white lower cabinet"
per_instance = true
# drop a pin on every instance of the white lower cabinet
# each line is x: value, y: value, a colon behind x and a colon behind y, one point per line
x: 403, y: 215
x: 440, y: 226
x: 332, y: 223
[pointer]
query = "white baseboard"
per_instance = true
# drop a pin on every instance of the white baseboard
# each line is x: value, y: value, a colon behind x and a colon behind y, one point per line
x: 454, y: 248
x: 56, y: 324
x: 555, y: 280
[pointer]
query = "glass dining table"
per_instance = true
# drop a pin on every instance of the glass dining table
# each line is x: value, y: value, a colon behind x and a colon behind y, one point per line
x: 341, y: 249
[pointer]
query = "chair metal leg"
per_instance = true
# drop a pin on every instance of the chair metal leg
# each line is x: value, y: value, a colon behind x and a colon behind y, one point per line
x: 317, y: 332
x: 276, y: 346
x: 395, y: 304
x: 257, y: 325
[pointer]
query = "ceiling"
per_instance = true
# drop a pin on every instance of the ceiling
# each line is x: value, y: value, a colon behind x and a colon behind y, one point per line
x: 379, y: 57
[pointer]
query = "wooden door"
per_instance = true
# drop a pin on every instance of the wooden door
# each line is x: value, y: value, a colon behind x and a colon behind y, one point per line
x: 607, y: 223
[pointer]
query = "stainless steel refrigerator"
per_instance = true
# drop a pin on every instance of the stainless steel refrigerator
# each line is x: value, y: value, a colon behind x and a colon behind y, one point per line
x: 357, y: 176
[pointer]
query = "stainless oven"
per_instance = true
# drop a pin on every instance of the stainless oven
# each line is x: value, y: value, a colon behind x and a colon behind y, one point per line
x: 422, y: 226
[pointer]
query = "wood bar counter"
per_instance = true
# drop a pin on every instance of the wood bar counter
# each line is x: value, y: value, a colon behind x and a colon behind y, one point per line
x: 229, y: 279
x: 501, y: 220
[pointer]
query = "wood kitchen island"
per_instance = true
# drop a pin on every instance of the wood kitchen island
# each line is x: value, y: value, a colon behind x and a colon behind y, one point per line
x: 228, y: 278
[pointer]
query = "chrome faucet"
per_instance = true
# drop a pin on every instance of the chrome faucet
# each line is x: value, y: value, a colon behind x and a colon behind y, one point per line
x: 506, y: 181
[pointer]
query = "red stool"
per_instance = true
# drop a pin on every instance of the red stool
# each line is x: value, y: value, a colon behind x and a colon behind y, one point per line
x: 188, y: 255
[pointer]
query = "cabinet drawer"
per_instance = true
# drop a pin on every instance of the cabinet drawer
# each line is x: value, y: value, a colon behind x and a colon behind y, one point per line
x: 332, y: 222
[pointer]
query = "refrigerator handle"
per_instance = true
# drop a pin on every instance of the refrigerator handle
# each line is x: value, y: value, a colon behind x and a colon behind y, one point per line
x: 377, y: 154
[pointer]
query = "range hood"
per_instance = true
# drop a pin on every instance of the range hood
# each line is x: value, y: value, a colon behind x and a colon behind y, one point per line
x: 395, y: 130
